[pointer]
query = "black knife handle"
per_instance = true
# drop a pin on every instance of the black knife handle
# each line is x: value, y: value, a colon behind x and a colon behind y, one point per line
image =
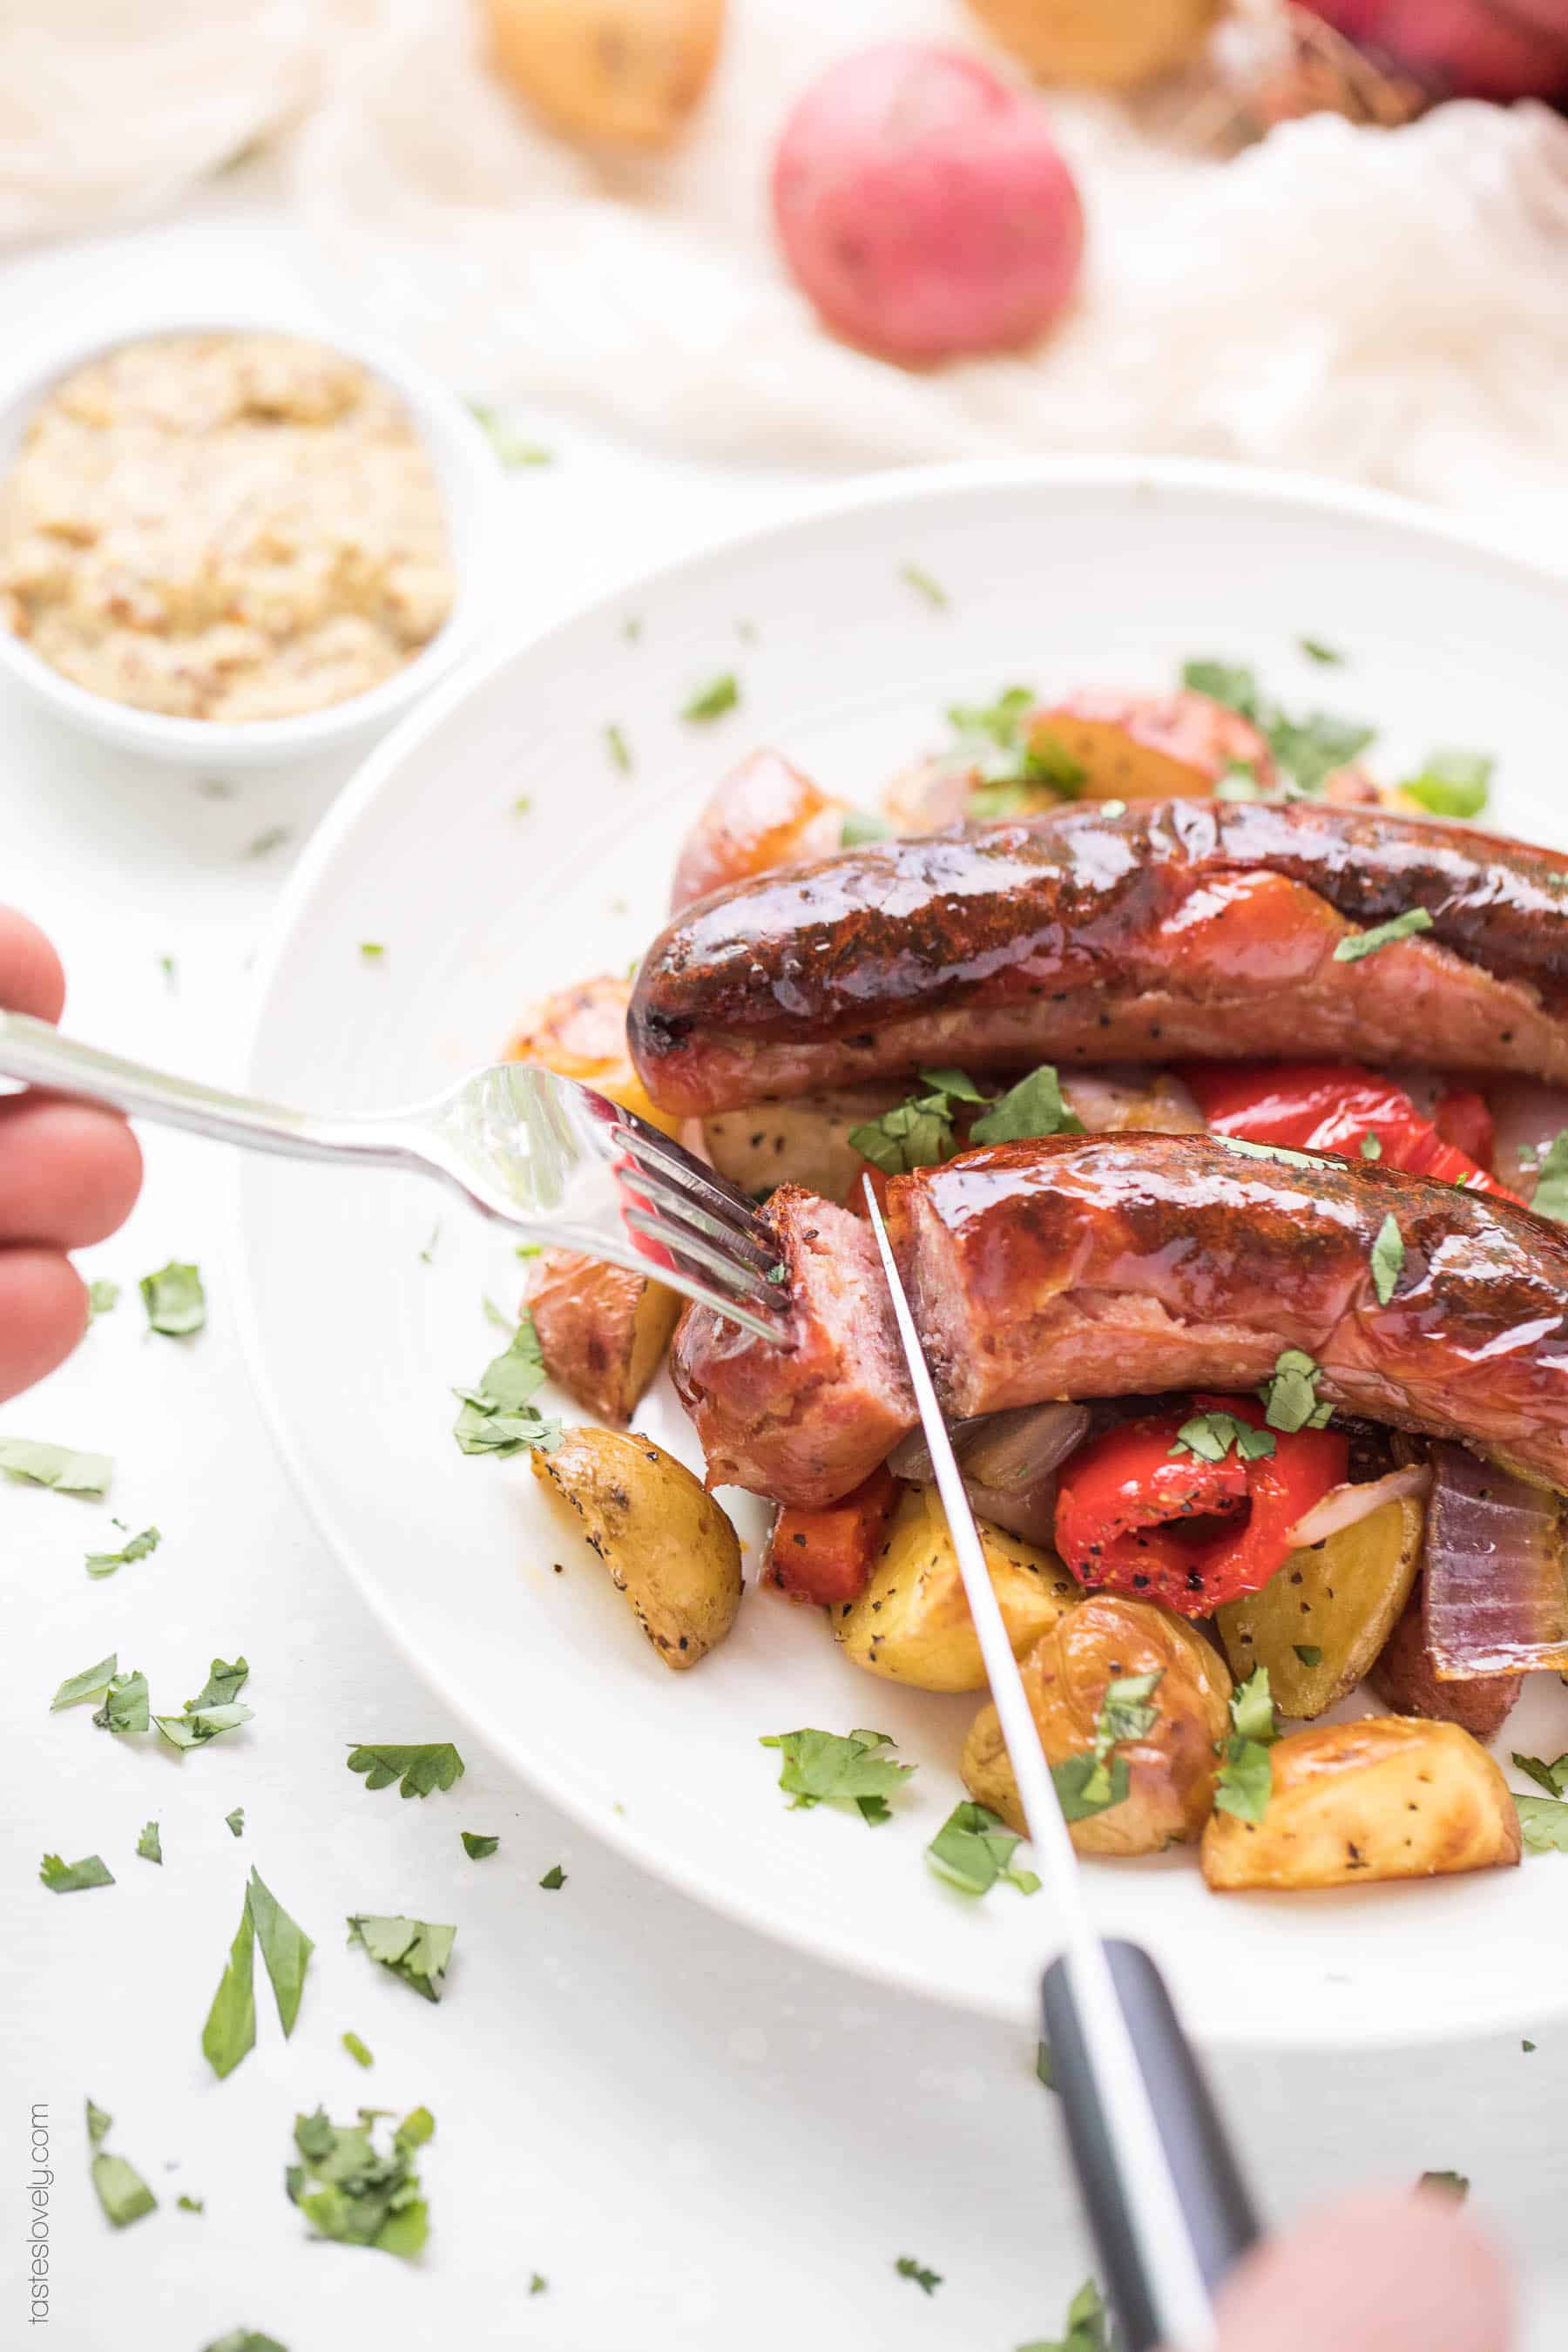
x: 1213, y: 2196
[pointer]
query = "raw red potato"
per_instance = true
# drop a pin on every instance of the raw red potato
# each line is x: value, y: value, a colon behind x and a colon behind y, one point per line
x: 923, y: 206
x: 825, y: 1557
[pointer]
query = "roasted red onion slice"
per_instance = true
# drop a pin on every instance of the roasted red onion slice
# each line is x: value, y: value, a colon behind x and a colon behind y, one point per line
x: 1495, y: 1597
x: 1342, y: 1506
x: 1009, y: 1461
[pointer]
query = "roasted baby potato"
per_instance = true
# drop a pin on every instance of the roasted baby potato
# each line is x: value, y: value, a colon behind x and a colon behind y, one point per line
x: 1089, y: 41
x: 912, y: 1621
x: 624, y: 72
x: 665, y: 1542
x: 1406, y: 1680
x: 1171, y: 1769
x: 763, y: 815
x: 805, y: 1142
x: 1353, y: 1803
x: 1127, y: 1100
x: 941, y: 790
x: 603, y: 1331
x: 1338, y: 1601
x: 1139, y: 747
x: 581, y: 1032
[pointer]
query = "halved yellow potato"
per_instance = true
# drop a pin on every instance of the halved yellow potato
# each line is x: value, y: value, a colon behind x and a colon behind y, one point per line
x: 667, y: 1544
x: 603, y: 1331
x: 1340, y: 1599
x: 804, y: 1141
x: 1354, y: 1802
x: 1169, y: 1768
x: 1158, y: 747
x: 912, y: 1621
x: 581, y: 1032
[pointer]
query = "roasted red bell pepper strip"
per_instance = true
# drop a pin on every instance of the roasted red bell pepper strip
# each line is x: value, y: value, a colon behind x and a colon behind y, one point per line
x: 1169, y: 1526
x: 1335, y: 1107
x: 825, y: 1557
x: 1463, y: 1118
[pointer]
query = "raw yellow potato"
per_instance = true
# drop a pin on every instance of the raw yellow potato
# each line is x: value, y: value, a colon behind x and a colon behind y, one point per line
x: 1170, y: 1770
x: 627, y: 72
x: 912, y: 1621
x: 581, y: 1032
x: 665, y: 1542
x: 1138, y: 747
x: 1384, y: 1798
x: 1340, y: 1598
x: 805, y: 1142
x: 603, y: 1331
x: 1111, y: 43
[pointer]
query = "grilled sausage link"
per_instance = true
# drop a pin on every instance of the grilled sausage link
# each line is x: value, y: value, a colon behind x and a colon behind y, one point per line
x: 1178, y: 931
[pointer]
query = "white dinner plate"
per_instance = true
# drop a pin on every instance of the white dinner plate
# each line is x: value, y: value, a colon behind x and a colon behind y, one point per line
x: 359, y: 1321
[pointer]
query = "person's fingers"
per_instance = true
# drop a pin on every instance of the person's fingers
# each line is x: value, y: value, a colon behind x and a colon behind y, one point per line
x: 43, y: 1314
x: 32, y: 978
x: 69, y: 1171
x: 1386, y: 2272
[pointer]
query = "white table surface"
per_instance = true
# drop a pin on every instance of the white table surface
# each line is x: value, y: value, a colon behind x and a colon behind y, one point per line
x: 701, y: 2140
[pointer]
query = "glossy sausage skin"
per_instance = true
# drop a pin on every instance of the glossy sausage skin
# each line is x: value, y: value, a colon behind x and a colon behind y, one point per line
x: 1179, y: 930
x: 1115, y: 1266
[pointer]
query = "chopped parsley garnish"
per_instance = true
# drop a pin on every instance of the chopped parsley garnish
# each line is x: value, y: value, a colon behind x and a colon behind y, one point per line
x: 74, y: 1877
x: 148, y: 1846
x: 916, y: 1133
x: 171, y: 971
x: 927, y: 2281
x: 1309, y: 1652
x: 1543, y: 1820
x: 1315, y: 650
x: 820, y: 1768
x: 1225, y: 682
x: 631, y: 627
x: 231, y: 2028
x: 215, y: 1708
x: 1245, y: 1776
x: 190, y: 2204
x: 538, y: 2283
x: 122, y: 2192
x: 511, y: 444
x: 1087, y: 2326
x: 176, y: 1302
x: 372, y: 950
x: 414, y: 1949
x: 360, y: 2051
x: 554, y: 1879
x: 104, y: 1563
x: 88, y: 1684
x: 1387, y: 1259
x: 1212, y: 1435
x: 349, y: 2190
x: 235, y: 1821
x: 994, y: 741
x: 1553, y: 1778
x: 990, y: 803
x: 711, y: 702
x: 271, y: 837
x: 923, y: 584
x: 778, y: 1274
x: 125, y: 1706
x: 618, y: 749
x: 1452, y: 783
x: 1045, y: 2065
x: 475, y: 1846
x: 1550, y: 1198
x: 1239, y: 782
x: 861, y: 825
x: 246, y: 2339
x: 417, y: 1770
x: 1093, y: 1782
x: 286, y: 1949
x: 496, y: 1315
x: 1290, y: 1399
x: 1371, y: 1147
x: 1357, y: 944
x: 973, y: 1849
x: 1308, y: 750
x: 1033, y: 1106
x: 1450, y: 2184
x: 498, y: 1416
x: 102, y: 1296
x: 60, y: 1466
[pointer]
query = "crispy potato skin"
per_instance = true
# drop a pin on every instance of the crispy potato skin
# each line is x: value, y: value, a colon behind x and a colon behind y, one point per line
x: 1086, y: 41
x: 1356, y: 1802
x: 1341, y: 1597
x: 1405, y: 1681
x: 581, y: 1032
x: 603, y: 1331
x: 1170, y: 1771
x: 667, y: 1544
x: 912, y: 1624
x: 624, y: 72
x: 1153, y: 746
x: 764, y: 814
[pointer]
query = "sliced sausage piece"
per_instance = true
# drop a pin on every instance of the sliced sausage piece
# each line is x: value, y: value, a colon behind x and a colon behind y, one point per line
x: 1177, y: 931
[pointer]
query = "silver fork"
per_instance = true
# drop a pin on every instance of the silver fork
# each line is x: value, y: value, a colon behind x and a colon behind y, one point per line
x: 562, y: 1163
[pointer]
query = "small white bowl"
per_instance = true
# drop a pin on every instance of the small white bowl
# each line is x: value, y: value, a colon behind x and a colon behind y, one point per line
x: 466, y: 471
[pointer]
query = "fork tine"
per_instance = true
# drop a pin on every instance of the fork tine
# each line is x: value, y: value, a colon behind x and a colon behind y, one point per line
x: 716, y: 1266
x: 672, y: 1202
x: 682, y: 1167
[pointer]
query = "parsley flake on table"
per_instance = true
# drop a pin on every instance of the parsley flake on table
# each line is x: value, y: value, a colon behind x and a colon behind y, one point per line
x: 104, y: 1563
x: 498, y: 1416
x: 927, y: 2281
x: 1045, y: 2065
x: 417, y: 1770
x: 246, y: 2339
x: 122, y: 2192
x: 371, y: 950
x: 1448, y: 2184
x: 920, y: 581
x: 190, y: 2204
x: 1095, y: 1782
x: 1357, y: 944
x: 60, y: 1466
x: 1315, y: 650
x: 711, y: 702
x: 475, y: 1846
x: 235, y: 1821
x: 1387, y: 1259
x: 102, y: 1296
x: 1550, y: 1198
x: 360, y: 2051
x: 1245, y: 1777
x: 91, y: 1683
x: 822, y: 1767
x: 124, y: 1704
x: 349, y: 2190
x: 973, y: 1849
x: 1033, y: 1106
x: 554, y: 1879
x: 1212, y: 1435
x: 74, y: 1877
x: 149, y: 1846
x: 415, y: 1949
x: 861, y: 825
x: 175, y: 1301
x: 1452, y: 783
x: 511, y: 444
x: 229, y: 2031
x: 618, y: 749
x: 1543, y: 1820
x: 1087, y: 2326
x: 215, y: 1708
x: 1290, y: 1399
x: 538, y: 2283
x: 286, y: 1949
